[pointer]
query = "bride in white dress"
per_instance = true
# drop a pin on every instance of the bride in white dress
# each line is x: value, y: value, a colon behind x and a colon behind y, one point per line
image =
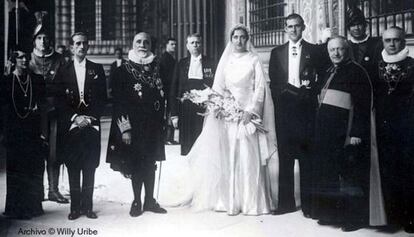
x: 229, y: 162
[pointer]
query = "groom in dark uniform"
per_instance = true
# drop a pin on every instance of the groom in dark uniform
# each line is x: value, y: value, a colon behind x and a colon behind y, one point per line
x: 294, y: 87
x: 192, y: 72
x: 81, y: 94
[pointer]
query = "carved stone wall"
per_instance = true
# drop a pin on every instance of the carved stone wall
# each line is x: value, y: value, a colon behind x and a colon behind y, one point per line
x: 321, y: 14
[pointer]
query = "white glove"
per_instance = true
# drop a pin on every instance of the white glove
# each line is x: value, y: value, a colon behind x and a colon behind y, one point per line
x: 245, y: 130
x: 250, y: 128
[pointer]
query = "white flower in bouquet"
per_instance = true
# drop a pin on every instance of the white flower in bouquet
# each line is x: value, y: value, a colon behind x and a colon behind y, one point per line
x: 223, y: 106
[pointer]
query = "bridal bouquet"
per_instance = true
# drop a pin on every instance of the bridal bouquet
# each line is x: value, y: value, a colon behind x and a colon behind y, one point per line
x: 223, y: 106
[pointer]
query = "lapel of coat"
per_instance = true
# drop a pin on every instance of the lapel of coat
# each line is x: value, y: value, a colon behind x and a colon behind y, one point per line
x: 284, y: 59
x: 186, y: 67
x: 204, y: 65
x: 90, y: 77
x: 89, y: 74
x: 304, y: 57
x: 74, y: 81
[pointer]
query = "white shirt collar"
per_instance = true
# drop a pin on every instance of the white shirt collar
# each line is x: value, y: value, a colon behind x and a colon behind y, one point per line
x: 79, y: 64
x: 194, y: 58
x: 297, y: 44
x: 195, y: 70
x: 355, y: 41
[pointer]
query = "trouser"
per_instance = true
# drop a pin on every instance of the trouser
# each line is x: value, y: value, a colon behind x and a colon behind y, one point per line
x: 294, y: 123
x: 287, y: 184
x: 169, y: 133
x: 81, y: 195
x: 49, y: 131
x: 144, y: 174
x: 52, y: 164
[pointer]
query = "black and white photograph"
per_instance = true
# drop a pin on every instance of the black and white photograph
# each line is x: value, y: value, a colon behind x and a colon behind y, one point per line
x: 218, y: 118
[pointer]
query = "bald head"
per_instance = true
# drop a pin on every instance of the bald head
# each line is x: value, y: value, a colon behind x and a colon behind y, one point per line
x: 142, y: 43
x: 394, y: 40
x: 338, y: 49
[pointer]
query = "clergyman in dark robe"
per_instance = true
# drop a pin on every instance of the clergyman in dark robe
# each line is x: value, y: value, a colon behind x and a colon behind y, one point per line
x: 343, y: 155
x: 394, y: 106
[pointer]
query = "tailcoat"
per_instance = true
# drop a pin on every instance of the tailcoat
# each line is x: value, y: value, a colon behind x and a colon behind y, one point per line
x: 190, y: 122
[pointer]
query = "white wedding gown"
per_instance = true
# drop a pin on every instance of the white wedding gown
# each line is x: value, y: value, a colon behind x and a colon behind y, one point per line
x: 228, y: 168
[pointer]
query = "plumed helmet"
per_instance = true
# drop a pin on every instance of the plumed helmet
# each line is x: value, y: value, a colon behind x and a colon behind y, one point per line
x: 40, y: 29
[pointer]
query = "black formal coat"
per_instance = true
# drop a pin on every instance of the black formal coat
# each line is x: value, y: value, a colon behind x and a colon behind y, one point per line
x: 294, y: 107
x: 167, y: 65
x: 190, y: 123
x: 114, y: 66
x: 112, y: 69
x: 295, y: 110
x: 138, y: 98
x: 79, y: 147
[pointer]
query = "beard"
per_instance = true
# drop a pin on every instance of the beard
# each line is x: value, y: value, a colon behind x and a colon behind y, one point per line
x: 142, y: 53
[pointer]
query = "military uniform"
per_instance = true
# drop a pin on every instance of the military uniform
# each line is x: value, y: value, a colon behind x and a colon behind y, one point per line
x: 47, y: 66
x: 138, y: 109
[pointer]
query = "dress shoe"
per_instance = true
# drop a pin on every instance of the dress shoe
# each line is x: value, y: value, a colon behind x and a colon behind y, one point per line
x: 350, y: 227
x: 154, y: 207
x: 283, y: 211
x: 409, y: 228
x: 327, y: 222
x: 73, y: 215
x: 91, y: 214
x: 307, y: 215
x: 135, y: 209
x: 171, y: 143
x: 174, y: 142
x: 55, y: 196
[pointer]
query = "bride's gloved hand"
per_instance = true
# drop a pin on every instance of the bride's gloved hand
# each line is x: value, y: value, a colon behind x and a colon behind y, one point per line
x: 250, y: 128
x: 246, y: 130
x: 246, y: 117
